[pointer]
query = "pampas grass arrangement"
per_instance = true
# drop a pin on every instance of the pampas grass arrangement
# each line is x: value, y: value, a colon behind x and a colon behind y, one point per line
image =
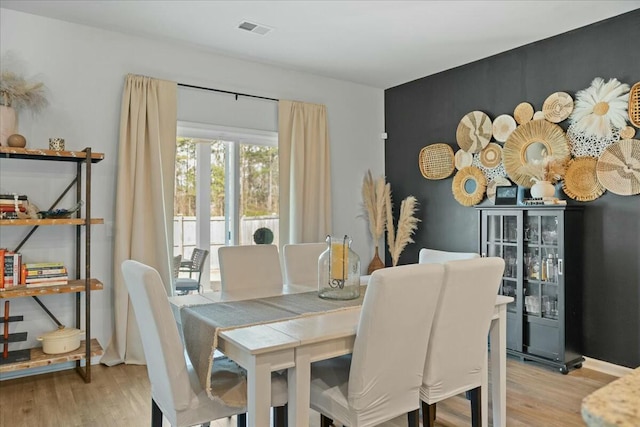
x: 407, y: 224
x: 373, y: 198
x: 15, y: 90
x: 378, y: 204
x: 550, y: 169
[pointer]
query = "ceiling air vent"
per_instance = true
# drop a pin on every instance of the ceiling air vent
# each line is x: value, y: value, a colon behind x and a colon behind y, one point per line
x: 252, y: 27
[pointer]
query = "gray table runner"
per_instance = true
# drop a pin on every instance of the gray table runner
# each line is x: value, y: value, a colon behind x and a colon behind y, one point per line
x: 202, y: 323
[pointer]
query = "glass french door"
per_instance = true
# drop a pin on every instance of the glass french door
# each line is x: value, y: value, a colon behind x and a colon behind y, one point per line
x: 226, y: 189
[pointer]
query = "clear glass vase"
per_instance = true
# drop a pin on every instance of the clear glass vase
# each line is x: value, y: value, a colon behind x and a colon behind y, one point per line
x: 339, y: 270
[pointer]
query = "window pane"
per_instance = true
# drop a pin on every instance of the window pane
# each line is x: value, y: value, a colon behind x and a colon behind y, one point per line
x: 259, y: 194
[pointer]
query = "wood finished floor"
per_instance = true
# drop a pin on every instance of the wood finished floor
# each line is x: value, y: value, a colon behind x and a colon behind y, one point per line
x: 119, y: 396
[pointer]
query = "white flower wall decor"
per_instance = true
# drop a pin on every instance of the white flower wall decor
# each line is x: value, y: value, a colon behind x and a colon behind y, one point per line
x: 601, y: 109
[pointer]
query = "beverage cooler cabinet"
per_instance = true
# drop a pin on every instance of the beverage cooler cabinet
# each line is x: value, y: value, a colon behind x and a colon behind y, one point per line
x: 542, y: 249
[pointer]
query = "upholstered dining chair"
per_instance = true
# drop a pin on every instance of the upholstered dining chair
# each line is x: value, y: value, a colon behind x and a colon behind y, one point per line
x: 249, y: 267
x: 427, y: 256
x: 301, y: 262
x: 184, y: 285
x: 457, y: 351
x: 176, y: 392
x: 369, y: 387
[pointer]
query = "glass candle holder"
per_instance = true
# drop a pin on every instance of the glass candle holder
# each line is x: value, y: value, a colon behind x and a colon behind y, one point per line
x: 339, y: 270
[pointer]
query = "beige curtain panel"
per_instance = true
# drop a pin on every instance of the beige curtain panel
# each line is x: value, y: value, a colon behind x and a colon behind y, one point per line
x: 305, y: 172
x: 144, y: 200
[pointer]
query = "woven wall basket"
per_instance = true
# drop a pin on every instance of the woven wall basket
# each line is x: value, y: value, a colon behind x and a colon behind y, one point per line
x: 618, y: 167
x: 634, y: 105
x: 474, y: 131
x: 523, y: 113
x: 580, y: 180
x: 557, y: 107
x: 627, y: 132
x: 463, y: 159
x: 436, y: 161
x: 491, y: 155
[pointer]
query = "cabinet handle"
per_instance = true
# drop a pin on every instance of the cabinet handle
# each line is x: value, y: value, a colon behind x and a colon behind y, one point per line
x: 560, y: 267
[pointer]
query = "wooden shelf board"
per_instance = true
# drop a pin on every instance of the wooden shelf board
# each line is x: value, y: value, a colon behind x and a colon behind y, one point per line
x: 38, y: 358
x: 72, y: 286
x: 60, y: 221
x: 41, y: 154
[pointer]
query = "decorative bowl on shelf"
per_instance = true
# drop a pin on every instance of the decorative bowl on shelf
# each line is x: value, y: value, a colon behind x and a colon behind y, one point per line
x: 59, y: 213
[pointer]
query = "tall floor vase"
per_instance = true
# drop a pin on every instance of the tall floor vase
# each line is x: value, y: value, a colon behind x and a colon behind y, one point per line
x: 8, y: 123
x: 376, y: 263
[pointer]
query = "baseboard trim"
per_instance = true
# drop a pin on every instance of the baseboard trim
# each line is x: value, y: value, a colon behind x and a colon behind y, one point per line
x: 606, y: 367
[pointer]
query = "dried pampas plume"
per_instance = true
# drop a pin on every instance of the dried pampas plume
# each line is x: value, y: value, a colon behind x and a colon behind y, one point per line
x: 550, y: 168
x: 373, y: 198
x: 407, y: 224
x: 16, y: 91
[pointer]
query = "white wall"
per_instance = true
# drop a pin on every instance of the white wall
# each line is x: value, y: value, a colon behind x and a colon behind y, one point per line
x: 84, y: 70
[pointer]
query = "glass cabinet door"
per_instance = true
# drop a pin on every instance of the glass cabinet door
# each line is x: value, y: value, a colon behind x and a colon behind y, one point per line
x: 501, y: 240
x: 541, y: 264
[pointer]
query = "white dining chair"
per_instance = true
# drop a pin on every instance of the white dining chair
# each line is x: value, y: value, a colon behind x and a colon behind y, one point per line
x: 428, y: 256
x: 301, y: 262
x: 176, y: 392
x: 370, y: 387
x: 457, y: 351
x: 249, y: 267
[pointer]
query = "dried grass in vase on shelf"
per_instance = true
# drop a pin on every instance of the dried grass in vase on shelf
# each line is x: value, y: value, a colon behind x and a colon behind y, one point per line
x: 549, y: 168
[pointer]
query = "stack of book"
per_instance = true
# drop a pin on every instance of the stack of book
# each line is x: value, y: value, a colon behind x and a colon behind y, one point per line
x: 10, y: 269
x: 45, y: 274
x: 10, y: 204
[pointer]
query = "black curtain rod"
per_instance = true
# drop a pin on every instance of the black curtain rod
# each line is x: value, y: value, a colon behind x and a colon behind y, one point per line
x: 237, y: 94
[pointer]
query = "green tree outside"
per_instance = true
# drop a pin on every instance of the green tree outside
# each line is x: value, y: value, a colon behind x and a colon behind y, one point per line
x: 259, y: 195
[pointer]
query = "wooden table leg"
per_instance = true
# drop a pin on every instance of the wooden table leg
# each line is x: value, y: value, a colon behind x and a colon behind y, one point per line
x: 498, y: 337
x: 300, y: 388
x: 258, y: 393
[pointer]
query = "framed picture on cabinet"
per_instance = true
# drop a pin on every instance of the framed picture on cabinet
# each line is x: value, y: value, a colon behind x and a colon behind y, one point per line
x: 507, y: 195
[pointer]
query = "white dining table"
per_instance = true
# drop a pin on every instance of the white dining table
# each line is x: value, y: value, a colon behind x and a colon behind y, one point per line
x: 296, y: 343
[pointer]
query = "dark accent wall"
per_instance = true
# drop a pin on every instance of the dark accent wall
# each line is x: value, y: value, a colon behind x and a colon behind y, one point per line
x: 428, y: 111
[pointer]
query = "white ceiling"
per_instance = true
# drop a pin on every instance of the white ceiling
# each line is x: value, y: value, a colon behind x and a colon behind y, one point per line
x: 376, y: 43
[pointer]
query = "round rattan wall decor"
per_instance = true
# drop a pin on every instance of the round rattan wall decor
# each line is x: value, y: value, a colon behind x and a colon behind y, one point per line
x: 627, y: 132
x: 474, y: 131
x: 557, y: 107
x: 468, y: 186
x: 436, y: 161
x: 618, y: 168
x: 503, y: 125
x: 463, y: 159
x: 580, y: 180
x: 514, y: 153
x: 523, y: 113
x: 491, y: 155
